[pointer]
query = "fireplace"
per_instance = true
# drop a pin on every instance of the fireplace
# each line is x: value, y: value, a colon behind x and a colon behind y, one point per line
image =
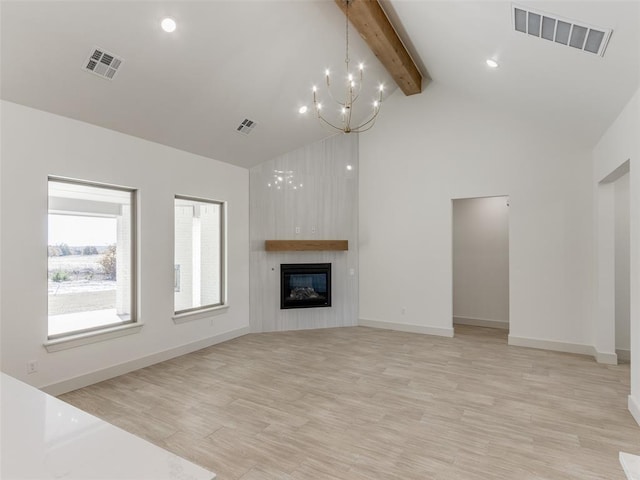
x: 305, y: 285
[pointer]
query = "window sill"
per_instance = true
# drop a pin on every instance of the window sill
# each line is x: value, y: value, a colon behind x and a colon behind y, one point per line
x: 81, y: 339
x: 199, y: 314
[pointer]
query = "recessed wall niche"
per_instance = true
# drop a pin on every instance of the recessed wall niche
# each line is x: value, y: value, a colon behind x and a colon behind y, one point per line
x: 308, y: 194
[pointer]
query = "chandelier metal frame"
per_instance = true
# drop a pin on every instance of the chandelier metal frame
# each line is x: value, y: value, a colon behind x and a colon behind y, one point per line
x: 353, y: 90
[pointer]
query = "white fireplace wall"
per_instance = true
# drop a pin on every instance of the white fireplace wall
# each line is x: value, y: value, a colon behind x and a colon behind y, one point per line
x: 323, y: 206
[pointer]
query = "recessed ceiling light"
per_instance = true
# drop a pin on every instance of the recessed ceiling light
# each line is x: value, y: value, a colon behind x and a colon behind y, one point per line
x: 168, y: 24
x: 492, y: 63
x: 349, y: 167
x: 302, y: 109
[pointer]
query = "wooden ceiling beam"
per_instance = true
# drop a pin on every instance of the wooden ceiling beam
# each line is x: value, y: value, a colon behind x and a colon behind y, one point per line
x: 374, y: 27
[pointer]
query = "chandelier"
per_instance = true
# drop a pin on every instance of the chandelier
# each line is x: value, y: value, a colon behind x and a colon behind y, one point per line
x: 353, y: 86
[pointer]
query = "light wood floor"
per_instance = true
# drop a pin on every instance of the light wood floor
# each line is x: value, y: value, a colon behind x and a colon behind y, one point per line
x: 360, y: 403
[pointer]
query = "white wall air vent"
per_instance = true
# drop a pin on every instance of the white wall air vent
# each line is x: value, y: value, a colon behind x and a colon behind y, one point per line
x: 580, y: 35
x: 246, y: 126
x: 102, y: 63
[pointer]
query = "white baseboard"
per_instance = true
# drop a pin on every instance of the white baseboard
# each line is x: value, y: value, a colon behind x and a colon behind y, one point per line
x: 601, y: 357
x: 623, y: 355
x: 630, y: 464
x: 110, y: 372
x: 552, y: 345
x: 634, y: 408
x: 481, y: 322
x: 606, y: 358
x: 406, y: 327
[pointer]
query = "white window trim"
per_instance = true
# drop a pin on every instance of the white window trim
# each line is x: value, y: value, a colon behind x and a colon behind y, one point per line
x: 181, y: 316
x: 200, y: 314
x: 68, y: 340
x: 86, y: 338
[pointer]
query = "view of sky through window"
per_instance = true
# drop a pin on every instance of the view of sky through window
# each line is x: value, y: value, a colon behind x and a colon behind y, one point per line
x: 81, y: 231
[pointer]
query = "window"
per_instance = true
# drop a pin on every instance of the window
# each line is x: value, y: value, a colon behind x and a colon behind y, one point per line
x: 91, y: 274
x: 199, y: 254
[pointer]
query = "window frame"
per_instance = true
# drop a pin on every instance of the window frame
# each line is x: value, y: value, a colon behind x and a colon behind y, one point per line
x: 222, y: 304
x: 111, y: 327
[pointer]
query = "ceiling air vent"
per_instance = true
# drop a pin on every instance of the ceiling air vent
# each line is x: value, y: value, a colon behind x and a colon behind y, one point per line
x: 582, y: 36
x: 246, y: 126
x: 102, y: 63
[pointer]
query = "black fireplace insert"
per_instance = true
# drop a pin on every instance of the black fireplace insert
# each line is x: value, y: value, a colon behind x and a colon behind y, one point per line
x: 305, y: 285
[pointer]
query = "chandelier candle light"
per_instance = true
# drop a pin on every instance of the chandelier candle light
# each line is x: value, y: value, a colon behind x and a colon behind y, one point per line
x: 353, y: 88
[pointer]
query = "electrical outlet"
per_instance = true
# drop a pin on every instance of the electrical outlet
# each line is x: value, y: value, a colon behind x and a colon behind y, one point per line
x: 297, y: 230
x: 403, y: 310
x: 313, y: 229
x: 32, y: 366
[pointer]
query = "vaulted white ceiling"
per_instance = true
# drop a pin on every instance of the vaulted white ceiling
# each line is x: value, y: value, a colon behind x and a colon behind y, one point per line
x: 236, y: 59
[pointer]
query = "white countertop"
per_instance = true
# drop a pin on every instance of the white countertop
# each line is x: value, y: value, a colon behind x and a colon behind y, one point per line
x: 45, y: 438
x: 631, y: 465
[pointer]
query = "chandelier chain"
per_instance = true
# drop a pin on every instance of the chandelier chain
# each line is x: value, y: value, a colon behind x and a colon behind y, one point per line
x: 346, y: 56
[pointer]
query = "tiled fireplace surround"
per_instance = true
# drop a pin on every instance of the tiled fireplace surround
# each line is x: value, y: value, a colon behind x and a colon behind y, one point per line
x: 322, y: 206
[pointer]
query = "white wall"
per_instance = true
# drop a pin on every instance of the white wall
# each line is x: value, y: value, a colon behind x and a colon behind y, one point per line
x: 622, y: 264
x: 36, y: 144
x: 619, y: 145
x: 430, y: 148
x: 481, y: 261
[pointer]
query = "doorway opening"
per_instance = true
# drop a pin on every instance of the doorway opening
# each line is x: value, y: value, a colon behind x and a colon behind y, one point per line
x: 622, y: 264
x: 612, y: 325
x: 480, y: 252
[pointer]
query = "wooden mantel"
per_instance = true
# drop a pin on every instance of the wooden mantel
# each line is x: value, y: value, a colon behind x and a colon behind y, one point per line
x: 305, y: 245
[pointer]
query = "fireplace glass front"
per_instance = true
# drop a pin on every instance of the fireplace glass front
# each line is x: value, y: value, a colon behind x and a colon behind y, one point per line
x: 305, y: 285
